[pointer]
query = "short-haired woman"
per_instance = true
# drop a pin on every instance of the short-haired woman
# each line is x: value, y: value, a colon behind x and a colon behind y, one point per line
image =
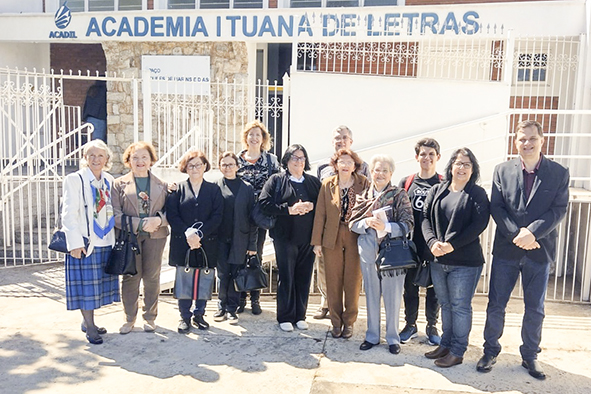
x: 291, y: 196
x: 255, y: 165
x: 456, y: 212
x: 141, y: 195
x: 88, y: 213
x: 196, y: 204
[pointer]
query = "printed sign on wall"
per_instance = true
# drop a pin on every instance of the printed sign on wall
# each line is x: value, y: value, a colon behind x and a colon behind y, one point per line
x: 186, y: 75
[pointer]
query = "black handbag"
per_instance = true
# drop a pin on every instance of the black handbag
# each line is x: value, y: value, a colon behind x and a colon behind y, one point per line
x: 194, y: 283
x: 423, y: 276
x: 397, y: 253
x: 252, y: 276
x: 58, y: 241
x: 261, y: 219
x: 122, y: 258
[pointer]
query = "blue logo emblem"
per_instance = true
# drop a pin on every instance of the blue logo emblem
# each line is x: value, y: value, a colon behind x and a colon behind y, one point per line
x: 63, y: 16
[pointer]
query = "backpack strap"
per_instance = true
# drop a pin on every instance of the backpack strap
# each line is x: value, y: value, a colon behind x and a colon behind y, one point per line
x: 409, y: 180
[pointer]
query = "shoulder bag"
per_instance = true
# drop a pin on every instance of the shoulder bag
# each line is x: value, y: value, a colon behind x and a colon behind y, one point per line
x: 194, y: 283
x: 252, y: 276
x: 423, y: 276
x: 122, y: 258
x: 397, y: 253
x: 261, y: 219
x: 58, y: 241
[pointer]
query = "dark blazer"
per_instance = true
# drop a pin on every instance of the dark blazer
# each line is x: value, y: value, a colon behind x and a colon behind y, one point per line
x: 183, y: 210
x: 244, y: 235
x: 469, y: 219
x: 541, y: 214
x: 278, y: 194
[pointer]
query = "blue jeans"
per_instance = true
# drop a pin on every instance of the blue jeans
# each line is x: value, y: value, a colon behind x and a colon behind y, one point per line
x: 185, y: 308
x: 455, y: 287
x: 100, y: 128
x: 504, y: 275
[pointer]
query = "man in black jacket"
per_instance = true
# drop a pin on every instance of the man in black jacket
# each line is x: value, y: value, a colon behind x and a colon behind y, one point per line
x: 529, y: 200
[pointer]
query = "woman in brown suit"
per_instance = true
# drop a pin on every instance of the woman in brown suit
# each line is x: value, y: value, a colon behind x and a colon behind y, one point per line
x: 332, y: 238
x: 142, y: 196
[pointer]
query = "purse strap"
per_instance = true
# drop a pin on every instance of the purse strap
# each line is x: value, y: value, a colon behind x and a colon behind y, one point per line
x: 85, y: 206
x: 134, y: 244
x: 188, y: 258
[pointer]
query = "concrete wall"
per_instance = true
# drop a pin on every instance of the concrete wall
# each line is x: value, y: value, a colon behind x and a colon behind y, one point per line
x: 24, y: 54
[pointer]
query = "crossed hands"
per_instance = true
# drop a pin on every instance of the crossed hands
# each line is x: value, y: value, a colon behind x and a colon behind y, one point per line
x: 300, y: 208
x: 194, y: 241
x: 151, y: 224
x: 375, y: 223
x: 441, y: 248
x: 526, y: 240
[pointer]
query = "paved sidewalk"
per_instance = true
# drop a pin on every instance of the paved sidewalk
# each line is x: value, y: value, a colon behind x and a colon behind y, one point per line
x: 43, y: 351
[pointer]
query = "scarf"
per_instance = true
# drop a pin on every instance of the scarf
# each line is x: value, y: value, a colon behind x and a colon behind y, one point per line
x: 104, y: 220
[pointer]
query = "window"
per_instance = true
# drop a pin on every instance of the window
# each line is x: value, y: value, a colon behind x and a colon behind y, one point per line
x: 373, y: 3
x: 181, y: 4
x: 101, y: 5
x: 342, y: 3
x: 211, y: 4
x: 76, y: 5
x: 305, y: 3
x: 532, y: 67
x: 129, y: 5
x: 248, y: 3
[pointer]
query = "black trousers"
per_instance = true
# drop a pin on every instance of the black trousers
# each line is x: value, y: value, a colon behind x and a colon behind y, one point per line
x: 295, y: 264
x: 411, y: 301
x: 256, y: 294
x: 227, y: 294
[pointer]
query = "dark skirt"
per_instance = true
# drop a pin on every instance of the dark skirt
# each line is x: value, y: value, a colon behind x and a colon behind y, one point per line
x: 87, y: 285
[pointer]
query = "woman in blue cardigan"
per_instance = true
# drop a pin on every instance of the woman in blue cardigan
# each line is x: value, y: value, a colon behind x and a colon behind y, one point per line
x: 456, y: 212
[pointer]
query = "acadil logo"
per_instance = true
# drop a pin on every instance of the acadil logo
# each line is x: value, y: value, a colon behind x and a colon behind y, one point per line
x: 63, y: 17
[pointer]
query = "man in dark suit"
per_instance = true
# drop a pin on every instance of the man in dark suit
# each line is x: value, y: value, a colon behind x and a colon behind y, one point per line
x: 529, y: 200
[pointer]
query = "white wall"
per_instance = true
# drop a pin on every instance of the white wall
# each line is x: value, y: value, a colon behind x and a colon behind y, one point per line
x: 21, y: 55
x: 382, y: 110
x: 21, y: 6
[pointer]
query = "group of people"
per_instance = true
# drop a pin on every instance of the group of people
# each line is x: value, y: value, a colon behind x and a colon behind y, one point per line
x: 338, y: 219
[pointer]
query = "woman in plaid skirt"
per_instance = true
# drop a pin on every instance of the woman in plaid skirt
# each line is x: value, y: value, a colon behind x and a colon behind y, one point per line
x: 88, y: 222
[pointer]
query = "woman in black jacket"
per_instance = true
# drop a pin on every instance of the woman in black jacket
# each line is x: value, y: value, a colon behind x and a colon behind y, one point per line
x: 456, y: 212
x: 194, y: 212
x: 291, y: 196
x: 237, y: 236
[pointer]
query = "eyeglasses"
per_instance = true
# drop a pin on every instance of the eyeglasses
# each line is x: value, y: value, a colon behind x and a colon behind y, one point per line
x: 460, y: 164
x: 345, y: 163
x: 232, y: 165
x: 298, y: 159
x: 194, y: 166
x: 341, y: 138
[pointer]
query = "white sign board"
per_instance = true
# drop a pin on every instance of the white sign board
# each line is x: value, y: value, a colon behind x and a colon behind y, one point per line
x: 187, y: 75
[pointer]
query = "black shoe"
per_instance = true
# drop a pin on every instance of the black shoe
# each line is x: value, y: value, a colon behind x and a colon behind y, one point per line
x: 219, y: 315
x: 184, y: 326
x: 367, y: 345
x: 232, y: 317
x: 394, y: 349
x: 534, y: 368
x: 200, y: 322
x: 100, y: 330
x: 241, y: 306
x: 95, y: 341
x: 408, y: 332
x: 486, y: 362
x: 255, y: 306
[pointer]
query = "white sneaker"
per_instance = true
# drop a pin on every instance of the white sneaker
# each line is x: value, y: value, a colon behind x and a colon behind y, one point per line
x: 302, y: 325
x: 287, y: 327
x: 126, y: 328
x: 149, y: 326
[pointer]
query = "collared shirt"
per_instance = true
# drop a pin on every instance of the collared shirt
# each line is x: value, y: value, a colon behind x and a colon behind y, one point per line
x: 296, y: 180
x: 530, y: 177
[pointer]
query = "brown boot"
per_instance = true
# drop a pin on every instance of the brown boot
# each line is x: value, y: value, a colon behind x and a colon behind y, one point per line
x: 439, y: 352
x: 322, y: 314
x: 448, y: 361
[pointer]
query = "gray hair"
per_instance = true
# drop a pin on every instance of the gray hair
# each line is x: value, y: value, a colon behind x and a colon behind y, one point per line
x: 100, y: 145
x: 382, y: 159
x: 345, y: 129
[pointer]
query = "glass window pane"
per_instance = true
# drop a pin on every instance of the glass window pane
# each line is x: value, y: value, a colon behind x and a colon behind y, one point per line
x: 101, y: 5
x: 125, y: 5
x: 209, y: 4
x: 539, y: 74
x: 181, y: 4
x: 371, y: 3
x: 342, y: 3
x: 248, y: 3
x: 75, y: 5
x: 305, y: 3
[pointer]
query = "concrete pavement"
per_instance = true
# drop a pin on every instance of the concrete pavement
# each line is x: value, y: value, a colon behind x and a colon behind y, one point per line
x: 43, y: 351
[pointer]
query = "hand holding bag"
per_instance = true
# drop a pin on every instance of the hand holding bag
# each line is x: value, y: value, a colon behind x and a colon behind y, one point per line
x: 58, y: 241
x: 252, y: 276
x: 194, y: 283
x: 423, y: 275
x: 397, y: 253
x: 122, y: 258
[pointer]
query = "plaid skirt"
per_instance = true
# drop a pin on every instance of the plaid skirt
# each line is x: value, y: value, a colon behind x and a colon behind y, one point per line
x: 87, y: 285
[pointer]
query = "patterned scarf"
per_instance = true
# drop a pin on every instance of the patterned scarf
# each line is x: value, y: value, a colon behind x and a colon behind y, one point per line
x: 104, y: 220
x: 370, y: 200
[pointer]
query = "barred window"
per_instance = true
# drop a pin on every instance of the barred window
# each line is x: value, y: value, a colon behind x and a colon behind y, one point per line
x: 532, y: 67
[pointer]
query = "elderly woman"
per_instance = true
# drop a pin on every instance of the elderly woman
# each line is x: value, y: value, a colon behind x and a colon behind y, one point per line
x: 141, y: 196
x: 237, y: 236
x: 332, y: 238
x: 255, y: 166
x: 372, y: 226
x: 198, y: 205
x: 291, y: 196
x: 87, y: 214
x: 456, y: 212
